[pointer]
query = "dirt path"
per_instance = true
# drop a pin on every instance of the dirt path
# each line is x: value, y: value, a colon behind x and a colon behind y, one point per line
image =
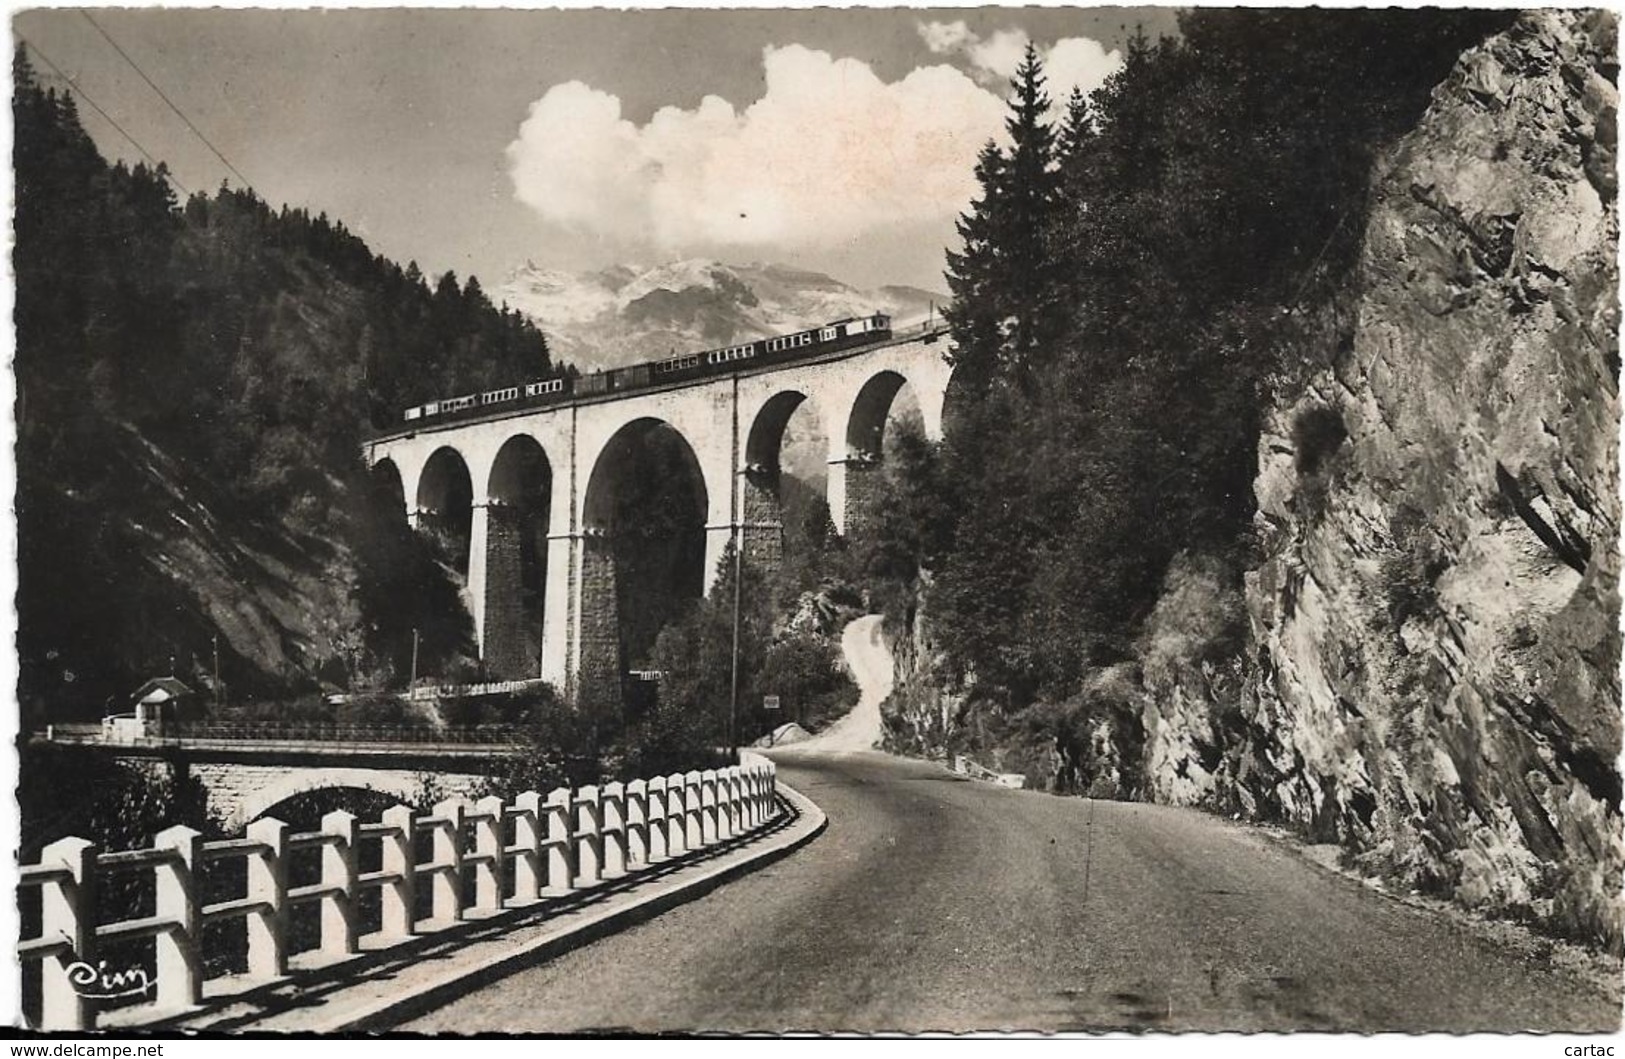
x: 871, y: 664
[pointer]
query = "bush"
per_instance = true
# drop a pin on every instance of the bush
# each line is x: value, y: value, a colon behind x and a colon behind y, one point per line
x: 806, y: 673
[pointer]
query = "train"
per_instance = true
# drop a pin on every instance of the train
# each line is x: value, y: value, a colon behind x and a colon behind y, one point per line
x: 839, y: 334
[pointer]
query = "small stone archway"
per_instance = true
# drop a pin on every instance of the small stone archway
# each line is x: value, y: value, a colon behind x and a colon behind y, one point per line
x: 243, y: 793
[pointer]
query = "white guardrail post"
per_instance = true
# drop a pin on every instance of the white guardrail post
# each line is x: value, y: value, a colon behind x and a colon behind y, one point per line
x: 637, y: 824
x: 676, y: 815
x: 398, y: 900
x: 614, y: 830
x: 694, y: 832
x: 178, y: 963
x: 747, y: 797
x: 268, y: 884
x: 68, y: 912
x: 339, y: 936
x: 730, y: 822
x: 708, y: 806
x: 656, y: 816
x: 561, y: 856
x: 589, y: 839
x: 448, y: 860
x: 528, y: 866
x: 488, y: 848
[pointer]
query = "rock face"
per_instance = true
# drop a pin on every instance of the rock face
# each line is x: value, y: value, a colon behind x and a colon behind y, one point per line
x: 1434, y: 633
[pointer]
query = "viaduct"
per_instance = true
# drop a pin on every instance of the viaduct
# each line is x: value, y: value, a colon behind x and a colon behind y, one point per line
x: 539, y: 505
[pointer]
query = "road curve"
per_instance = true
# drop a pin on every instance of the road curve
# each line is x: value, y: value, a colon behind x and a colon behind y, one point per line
x: 870, y: 662
x: 937, y: 903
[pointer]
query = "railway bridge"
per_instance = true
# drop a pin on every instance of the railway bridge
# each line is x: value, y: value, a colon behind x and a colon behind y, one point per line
x: 562, y: 516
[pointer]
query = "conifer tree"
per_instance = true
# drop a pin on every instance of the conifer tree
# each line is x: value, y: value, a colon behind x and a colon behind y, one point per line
x: 1031, y: 198
x: 1004, y: 280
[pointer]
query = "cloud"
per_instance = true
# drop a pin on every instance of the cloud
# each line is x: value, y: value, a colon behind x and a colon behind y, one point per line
x: 945, y: 38
x: 829, y: 153
x: 1071, y: 62
x: 829, y: 157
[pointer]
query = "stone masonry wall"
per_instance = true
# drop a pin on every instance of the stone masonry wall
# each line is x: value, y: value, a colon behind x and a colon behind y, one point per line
x: 509, y: 645
x: 600, y: 667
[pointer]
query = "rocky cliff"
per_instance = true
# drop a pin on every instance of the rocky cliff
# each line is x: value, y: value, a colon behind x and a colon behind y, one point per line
x: 1430, y: 675
x: 1435, y: 628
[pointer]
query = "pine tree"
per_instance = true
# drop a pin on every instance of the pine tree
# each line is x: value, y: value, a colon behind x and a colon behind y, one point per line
x: 1006, y: 308
x: 1031, y: 199
x: 973, y: 278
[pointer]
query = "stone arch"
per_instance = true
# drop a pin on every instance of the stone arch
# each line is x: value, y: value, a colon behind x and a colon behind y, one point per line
x: 762, y: 485
x: 866, y: 423
x: 445, y: 503
x: 956, y: 399
x: 519, y: 502
x: 643, y: 553
x: 388, y: 487
x: 855, y: 473
x: 294, y: 782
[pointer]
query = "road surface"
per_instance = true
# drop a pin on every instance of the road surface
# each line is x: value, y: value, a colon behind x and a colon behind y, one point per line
x: 933, y: 902
x: 871, y: 665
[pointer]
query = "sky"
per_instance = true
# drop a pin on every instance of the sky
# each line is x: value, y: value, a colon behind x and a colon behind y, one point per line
x: 480, y: 140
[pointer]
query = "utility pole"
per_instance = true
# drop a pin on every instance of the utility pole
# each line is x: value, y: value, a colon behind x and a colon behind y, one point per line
x: 733, y: 694
x: 214, y: 640
x: 413, y: 682
x: 738, y: 514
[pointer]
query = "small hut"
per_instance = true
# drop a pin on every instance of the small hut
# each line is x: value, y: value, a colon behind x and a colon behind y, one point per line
x: 163, y: 700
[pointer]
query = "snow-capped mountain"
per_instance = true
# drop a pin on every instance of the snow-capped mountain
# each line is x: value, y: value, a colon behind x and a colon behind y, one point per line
x: 624, y: 314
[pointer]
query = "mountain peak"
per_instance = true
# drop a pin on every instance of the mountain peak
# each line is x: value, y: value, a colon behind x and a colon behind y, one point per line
x: 624, y: 313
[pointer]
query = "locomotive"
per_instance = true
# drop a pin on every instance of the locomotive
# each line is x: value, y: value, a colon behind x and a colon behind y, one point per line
x: 839, y: 334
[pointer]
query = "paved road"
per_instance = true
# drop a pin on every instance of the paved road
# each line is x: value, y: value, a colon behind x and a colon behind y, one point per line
x: 936, y: 903
x: 870, y: 663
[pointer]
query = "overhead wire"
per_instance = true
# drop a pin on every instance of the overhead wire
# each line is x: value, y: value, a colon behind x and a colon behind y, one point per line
x: 169, y: 102
x: 35, y: 49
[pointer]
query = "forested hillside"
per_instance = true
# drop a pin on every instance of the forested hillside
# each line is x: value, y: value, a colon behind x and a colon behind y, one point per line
x: 194, y: 381
x: 1236, y: 507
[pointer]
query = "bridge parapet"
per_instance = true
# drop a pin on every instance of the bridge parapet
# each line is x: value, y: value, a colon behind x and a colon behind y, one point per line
x: 549, y: 858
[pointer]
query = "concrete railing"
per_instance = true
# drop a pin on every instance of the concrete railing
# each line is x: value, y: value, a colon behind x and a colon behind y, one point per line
x: 520, y: 854
x: 469, y: 691
x: 966, y: 767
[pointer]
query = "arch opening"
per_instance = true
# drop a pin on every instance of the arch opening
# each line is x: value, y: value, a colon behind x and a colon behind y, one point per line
x: 319, y: 791
x: 445, y: 506
x: 885, y: 407
x: 643, y: 559
x: 520, y: 495
x: 786, y: 475
x: 388, y: 496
